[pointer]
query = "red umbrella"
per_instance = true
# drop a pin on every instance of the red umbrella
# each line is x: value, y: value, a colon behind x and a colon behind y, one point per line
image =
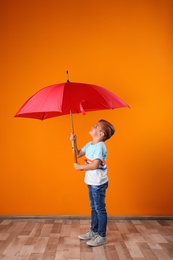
x: 67, y: 98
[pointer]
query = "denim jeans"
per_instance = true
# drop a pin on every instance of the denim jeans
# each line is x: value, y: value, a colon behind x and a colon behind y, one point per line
x: 98, y: 208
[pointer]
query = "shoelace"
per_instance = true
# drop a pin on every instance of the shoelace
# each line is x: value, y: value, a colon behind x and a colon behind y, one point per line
x: 95, y: 235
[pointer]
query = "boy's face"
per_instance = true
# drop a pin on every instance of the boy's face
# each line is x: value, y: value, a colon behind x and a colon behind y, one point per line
x: 97, y: 130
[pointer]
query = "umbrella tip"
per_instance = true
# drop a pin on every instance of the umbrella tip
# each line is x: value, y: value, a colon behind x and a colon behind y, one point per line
x: 67, y: 75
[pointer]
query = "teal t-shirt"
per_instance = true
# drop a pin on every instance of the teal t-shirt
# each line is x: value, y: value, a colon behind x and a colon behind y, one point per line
x: 92, y: 152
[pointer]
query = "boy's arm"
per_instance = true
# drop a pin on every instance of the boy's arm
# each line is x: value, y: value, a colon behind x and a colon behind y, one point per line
x: 79, y: 153
x: 91, y: 166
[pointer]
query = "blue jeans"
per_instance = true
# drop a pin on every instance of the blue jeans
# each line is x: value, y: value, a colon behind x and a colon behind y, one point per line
x: 98, y: 208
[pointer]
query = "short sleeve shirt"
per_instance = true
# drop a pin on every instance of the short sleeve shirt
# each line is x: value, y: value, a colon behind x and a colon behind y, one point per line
x: 94, y: 152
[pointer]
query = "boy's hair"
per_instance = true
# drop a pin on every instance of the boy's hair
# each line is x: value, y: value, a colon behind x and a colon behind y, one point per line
x: 108, y: 129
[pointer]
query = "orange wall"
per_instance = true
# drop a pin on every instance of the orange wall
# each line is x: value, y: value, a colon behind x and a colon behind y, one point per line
x: 124, y: 46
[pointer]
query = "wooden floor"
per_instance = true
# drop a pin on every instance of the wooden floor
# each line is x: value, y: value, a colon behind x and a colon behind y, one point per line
x: 56, y: 239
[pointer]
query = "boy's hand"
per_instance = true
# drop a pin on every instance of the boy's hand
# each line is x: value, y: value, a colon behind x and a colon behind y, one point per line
x: 72, y: 137
x: 77, y: 167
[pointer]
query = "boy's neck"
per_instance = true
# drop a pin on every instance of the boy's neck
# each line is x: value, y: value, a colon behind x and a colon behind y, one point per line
x: 97, y: 140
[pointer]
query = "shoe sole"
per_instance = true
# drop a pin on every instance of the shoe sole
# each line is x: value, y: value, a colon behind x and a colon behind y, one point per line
x: 83, y: 238
x: 101, y: 244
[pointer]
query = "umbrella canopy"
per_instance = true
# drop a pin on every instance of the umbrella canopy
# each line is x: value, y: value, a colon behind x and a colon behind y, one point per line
x: 61, y: 99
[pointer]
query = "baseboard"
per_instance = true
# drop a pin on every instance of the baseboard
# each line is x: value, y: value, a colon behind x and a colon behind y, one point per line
x: 72, y: 217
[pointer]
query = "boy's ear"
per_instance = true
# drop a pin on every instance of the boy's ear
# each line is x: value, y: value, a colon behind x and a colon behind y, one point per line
x: 102, y: 134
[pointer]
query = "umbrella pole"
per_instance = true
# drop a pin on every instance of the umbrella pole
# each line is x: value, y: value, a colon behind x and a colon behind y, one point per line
x: 74, y: 141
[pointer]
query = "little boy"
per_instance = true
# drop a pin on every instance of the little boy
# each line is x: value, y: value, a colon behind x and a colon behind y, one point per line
x: 96, y: 179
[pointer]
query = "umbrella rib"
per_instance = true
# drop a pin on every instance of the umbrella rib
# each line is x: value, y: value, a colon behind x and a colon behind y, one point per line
x: 105, y: 99
x: 101, y: 96
x: 43, y: 116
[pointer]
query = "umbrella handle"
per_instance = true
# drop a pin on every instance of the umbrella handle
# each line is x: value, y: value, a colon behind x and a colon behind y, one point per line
x: 74, y: 141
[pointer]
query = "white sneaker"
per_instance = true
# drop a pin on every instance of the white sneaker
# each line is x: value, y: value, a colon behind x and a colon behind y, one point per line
x: 97, y: 241
x: 88, y: 235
